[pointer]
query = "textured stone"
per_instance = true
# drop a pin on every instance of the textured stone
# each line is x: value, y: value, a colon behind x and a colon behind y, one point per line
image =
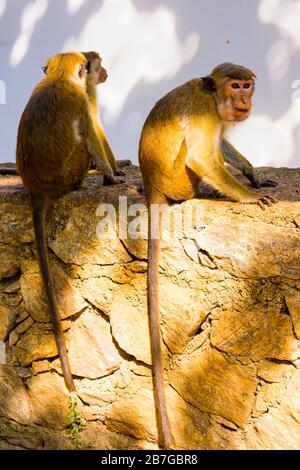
x: 24, y: 326
x: 68, y: 297
x: 279, y: 429
x: 256, y: 334
x: 49, y: 398
x: 190, y: 249
x: 134, y: 416
x: 205, y: 379
x: 9, y: 262
x: 91, y: 334
x: 40, y: 366
x: 129, y: 322
x: 37, y: 343
x: 7, y: 319
x: 252, y: 249
x: 14, y: 399
x: 293, y: 305
x: 16, y: 224
x: 229, y: 316
x: 272, y: 371
x: 182, y: 314
x: 78, y: 242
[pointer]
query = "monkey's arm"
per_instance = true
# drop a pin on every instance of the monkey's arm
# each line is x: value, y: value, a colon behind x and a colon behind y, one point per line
x: 210, y: 167
x: 237, y: 160
x: 108, y: 151
x: 98, y: 154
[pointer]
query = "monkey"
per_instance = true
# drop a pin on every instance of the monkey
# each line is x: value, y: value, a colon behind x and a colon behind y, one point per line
x: 55, y: 143
x: 97, y: 74
x: 180, y: 145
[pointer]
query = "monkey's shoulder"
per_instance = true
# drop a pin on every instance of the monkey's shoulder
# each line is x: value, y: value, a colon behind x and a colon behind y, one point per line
x: 60, y: 93
x: 187, y: 98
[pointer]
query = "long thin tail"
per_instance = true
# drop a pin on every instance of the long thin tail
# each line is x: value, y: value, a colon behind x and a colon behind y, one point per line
x: 155, y: 333
x: 39, y: 206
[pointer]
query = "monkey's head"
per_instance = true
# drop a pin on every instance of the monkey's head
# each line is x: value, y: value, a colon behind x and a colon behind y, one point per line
x: 95, y: 70
x: 68, y: 66
x: 233, y: 87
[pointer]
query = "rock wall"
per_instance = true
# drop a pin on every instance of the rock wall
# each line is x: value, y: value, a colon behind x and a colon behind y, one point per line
x: 230, y: 304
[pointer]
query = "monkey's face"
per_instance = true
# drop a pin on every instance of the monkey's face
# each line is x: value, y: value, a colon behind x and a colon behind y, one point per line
x: 234, y: 99
x: 98, y: 72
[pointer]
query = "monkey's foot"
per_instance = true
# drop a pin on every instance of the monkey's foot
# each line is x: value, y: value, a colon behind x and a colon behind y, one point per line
x: 109, y: 180
x: 265, y: 183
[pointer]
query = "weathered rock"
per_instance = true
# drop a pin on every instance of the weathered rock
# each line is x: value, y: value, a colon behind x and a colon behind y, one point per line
x: 293, y: 305
x: 91, y: 334
x: 272, y: 371
x: 7, y: 319
x: 229, y: 303
x: 280, y: 427
x: 9, y: 264
x: 252, y: 249
x: 255, y: 334
x: 49, y: 398
x: 16, y: 225
x: 134, y: 416
x: 14, y: 399
x: 205, y: 379
x: 69, y: 299
x: 129, y: 321
x: 40, y: 366
x: 78, y: 243
x: 37, y: 343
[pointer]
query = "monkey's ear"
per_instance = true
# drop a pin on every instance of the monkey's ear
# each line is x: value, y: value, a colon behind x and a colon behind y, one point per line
x: 45, y: 69
x: 208, y: 84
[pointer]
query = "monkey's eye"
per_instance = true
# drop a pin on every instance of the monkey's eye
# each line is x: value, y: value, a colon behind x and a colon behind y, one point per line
x: 246, y: 86
x: 235, y: 86
x: 45, y: 69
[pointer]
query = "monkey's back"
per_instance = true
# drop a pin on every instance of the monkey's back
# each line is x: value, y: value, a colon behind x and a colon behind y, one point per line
x: 51, y: 151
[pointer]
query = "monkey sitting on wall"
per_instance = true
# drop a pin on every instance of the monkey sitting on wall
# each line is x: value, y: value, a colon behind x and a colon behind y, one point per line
x: 56, y: 142
x: 96, y: 74
x: 180, y: 145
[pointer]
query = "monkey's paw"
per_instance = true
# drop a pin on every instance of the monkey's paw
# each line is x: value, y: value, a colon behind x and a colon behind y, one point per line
x: 110, y: 180
x: 262, y: 201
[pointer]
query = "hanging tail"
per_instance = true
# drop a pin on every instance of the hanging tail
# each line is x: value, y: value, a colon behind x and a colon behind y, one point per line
x: 154, y: 236
x: 39, y: 206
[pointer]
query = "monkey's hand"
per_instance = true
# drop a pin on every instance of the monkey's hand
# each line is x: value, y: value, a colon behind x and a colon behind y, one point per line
x: 255, y: 182
x: 109, y: 180
x: 261, y: 200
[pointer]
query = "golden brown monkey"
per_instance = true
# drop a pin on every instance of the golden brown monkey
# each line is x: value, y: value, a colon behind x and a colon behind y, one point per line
x: 56, y: 142
x: 97, y: 74
x: 180, y: 145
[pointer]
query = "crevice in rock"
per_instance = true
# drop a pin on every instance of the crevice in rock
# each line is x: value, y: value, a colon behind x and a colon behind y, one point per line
x: 124, y: 354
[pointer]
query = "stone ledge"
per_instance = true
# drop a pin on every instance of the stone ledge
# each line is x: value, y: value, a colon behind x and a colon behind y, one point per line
x: 230, y: 303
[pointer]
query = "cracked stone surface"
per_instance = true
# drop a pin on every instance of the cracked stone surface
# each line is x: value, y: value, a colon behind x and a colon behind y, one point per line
x: 230, y: 303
